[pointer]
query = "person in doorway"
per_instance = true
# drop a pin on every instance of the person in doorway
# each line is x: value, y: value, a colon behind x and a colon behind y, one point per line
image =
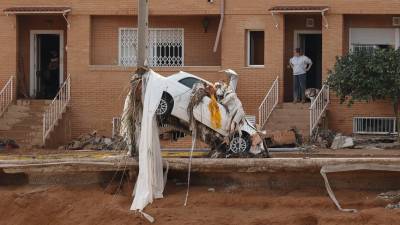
x: 54, y: 74
x: 300, y: 65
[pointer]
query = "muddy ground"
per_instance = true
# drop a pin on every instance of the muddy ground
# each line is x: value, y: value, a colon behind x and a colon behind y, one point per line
x: 90, y: 204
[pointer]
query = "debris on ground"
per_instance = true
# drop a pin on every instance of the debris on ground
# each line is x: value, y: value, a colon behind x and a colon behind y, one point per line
x: 340, y: 142
x: 390, y: 196
x: 322, y: 137
x: 6, y: 144
x: 393, y: 206
x: 282, y: 139
x: 93, y: 141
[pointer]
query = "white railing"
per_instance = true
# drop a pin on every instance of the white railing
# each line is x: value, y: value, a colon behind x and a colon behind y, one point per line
x: 318, y: 107
x: 269, y: 103
x: 56, y: 108
x: 7, y: 95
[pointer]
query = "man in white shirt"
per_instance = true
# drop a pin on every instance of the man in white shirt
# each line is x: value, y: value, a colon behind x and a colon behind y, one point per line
x: 300, y: 65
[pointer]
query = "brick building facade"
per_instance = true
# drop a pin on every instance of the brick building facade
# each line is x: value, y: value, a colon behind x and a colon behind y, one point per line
x: 91, y: 34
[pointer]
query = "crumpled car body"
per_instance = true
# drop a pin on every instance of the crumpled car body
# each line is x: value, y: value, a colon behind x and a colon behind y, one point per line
x: 175, y: 102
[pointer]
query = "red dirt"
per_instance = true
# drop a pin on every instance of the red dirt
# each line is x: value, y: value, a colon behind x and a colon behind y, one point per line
x: 90, y: 205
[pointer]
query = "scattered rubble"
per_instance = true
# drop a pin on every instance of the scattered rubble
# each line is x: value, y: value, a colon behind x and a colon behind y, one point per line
x: 340, y: 142
x: 390, y: 196
x: 376, y: 142
x: 93, y: 141
x: 393, y: 206
x: 323, y: 137
x: 283, y: 139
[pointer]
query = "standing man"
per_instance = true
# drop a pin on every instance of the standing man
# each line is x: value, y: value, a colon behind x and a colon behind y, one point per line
x: 300, y: 64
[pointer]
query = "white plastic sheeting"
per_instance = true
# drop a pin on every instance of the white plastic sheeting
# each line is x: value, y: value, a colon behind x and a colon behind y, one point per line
x: 150, y: 182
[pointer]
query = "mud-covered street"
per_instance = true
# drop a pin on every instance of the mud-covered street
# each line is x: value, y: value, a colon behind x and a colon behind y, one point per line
x: 38, y: 205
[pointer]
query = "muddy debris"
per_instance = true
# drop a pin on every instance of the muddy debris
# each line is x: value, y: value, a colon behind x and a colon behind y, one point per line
x: 390, y: 196
x: 93, y: 141
x: 6, y: 144
x: 323, y: 137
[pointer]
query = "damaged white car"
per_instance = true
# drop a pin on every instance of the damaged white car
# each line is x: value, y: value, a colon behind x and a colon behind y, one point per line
x: 216, y: 109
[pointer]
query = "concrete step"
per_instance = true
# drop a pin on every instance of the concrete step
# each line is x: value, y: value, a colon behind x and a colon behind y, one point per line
x: 289, y: 115
x: 23, y: 122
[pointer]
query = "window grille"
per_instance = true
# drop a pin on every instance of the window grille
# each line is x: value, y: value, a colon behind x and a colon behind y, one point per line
x: 374, y: 125
x: 363, y: 47
x: 166, y: 47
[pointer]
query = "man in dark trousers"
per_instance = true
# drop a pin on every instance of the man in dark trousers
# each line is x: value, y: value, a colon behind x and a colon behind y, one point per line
x: 300, y: 65
x: 54, y: 74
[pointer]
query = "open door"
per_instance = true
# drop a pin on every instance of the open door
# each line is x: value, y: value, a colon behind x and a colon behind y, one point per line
x: 311, y: 44
x: 46, y: 73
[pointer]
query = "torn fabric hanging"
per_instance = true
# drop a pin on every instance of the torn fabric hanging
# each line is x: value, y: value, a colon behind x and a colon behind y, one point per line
x: 150, y: 182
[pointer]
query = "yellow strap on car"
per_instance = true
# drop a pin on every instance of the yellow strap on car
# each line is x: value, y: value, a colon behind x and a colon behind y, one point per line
x: 215, y: 114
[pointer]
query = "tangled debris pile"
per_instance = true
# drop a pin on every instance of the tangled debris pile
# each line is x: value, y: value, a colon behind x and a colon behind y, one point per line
x: 391, y: 196
x: 93, y: 141
x: 323, y: 137
x: 211, y: 113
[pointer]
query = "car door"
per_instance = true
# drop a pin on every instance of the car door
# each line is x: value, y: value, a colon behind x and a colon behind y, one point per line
x: 203, y: 115
x: 182, y: 95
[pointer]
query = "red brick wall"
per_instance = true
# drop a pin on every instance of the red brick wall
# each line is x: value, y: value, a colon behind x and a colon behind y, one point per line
x: 198, y: 44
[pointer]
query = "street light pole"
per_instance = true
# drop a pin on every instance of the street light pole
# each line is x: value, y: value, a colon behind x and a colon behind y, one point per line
x: 143, y: 32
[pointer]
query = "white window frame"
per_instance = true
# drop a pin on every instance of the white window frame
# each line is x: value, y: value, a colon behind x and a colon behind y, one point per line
x: 351, y: 43
x: 248, y: 49
x: 182, y: 30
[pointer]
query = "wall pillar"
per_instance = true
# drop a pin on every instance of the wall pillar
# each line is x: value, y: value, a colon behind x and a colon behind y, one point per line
x: 8, y: 46
x: 275, y: 50
x: 332, y: 43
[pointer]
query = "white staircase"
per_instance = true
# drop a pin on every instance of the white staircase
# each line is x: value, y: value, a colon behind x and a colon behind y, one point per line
x: 7, y: 95
x: 275, y: 116
x: 22, y: 122
x: 56, y: 109
x: 269, y: 103
x: 318, y: 107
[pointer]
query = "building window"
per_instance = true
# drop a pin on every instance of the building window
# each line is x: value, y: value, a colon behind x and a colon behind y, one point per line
x: 166, y: 47
x: 368, y: 39
x: 255, y: 48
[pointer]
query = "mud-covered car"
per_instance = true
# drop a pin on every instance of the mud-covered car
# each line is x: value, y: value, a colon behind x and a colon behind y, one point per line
x: 175, y: 102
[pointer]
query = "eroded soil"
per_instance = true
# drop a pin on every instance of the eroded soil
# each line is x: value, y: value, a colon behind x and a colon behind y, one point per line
x: 91, y: 204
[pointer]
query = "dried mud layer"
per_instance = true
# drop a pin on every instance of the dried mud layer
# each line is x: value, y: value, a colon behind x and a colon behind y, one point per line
x: 207, y: 205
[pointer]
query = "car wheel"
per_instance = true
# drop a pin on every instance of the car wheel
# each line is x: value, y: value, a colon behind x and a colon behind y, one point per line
x: 240, y: 144
x: 165, y: 106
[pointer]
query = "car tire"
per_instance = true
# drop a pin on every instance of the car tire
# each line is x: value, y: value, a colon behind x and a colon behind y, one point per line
x: 240, y: 144
x: 165, y: 106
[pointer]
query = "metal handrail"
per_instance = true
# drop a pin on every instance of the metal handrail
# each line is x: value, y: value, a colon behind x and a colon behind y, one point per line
x: 269, y: 103
x: 56, y: 108
x: 7, y: 95
x: 318, y: 107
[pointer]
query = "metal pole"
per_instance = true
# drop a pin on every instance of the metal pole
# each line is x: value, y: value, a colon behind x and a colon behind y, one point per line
x: 143, y: 30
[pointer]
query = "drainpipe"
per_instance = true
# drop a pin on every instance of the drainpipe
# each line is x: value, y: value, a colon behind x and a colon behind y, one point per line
x: 221, y: 22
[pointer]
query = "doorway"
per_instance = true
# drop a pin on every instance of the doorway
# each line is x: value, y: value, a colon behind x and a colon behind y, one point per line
x: 46, y: 63
x: 311, y: 44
